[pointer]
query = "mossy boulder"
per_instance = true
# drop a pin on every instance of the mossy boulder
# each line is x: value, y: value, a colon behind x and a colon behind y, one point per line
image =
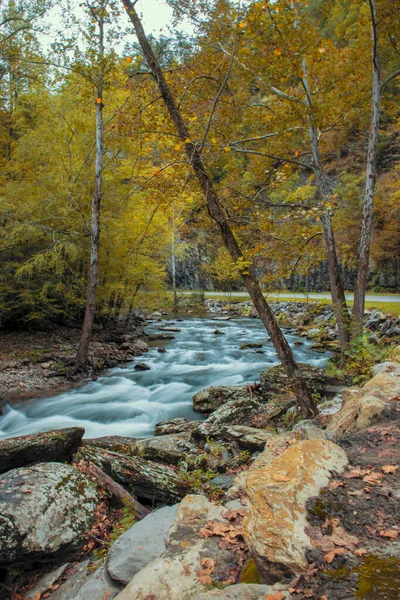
x: 211, y: 398
x: 45, y: 509
x: 52, y: 446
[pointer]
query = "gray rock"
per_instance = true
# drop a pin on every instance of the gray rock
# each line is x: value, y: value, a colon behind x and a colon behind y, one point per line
x: 213, y: 397
x: 169, y: 449
x: 141, y: 544
x: 139, y: 347
x: 96, y: 586
x: 245, y: 591
x: 44, y: 583
x: 178, y: 425
x: 222, y: 482
x: 309, y: 431
x: 73, y: 582
x: 44, y: 509
x: 249, y: 438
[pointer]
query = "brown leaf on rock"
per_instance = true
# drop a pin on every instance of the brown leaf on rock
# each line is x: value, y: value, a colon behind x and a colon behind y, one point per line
x: 373, y: 478
x: 205, y: 579
x: 208, y: 563
x: 331, y: 555
x: 360, y: 552
x: 391, y: 534
x: 336, y: 484
x: 356, y: 473
x: 390, y: 469
x: 277, y: 596
x: 340, y: 537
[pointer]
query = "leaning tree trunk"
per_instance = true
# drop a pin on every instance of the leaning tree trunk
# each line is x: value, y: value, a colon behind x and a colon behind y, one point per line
x: 335, y: 279
x: 216, y: 211
x: 370, y: 178
x: 93, y: 278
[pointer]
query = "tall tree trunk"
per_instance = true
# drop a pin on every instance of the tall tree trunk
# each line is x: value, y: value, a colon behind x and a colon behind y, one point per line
x: 93, y: 277
x: 173, y: 264
x: 216, y: 211
x: 335, y: 279
x: 370, y: 178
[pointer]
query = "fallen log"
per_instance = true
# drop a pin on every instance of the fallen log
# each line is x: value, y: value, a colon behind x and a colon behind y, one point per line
x: 150, y: 480
x: 119, y: 494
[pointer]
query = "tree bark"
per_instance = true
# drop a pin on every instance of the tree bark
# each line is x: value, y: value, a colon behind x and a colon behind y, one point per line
x: 370, y: 178
x: 93, y: 278
x: 335, y: 279
x: 117, y: 492
x: 193, y: 151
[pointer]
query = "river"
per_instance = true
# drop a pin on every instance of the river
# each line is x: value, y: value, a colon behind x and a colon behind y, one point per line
x: 127, y: 402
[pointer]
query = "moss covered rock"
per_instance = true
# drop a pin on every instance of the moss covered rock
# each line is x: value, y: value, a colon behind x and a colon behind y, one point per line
x: 44, y: 509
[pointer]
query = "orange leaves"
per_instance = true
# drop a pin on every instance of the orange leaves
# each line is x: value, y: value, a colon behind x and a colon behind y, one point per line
x: 360, y: 552
x: 204, y: 575
x: 277, y: 596
x: 329, y: 556
x: 391, y: 534
x: 128, y: 59
x: 98, y: 100
x: 390, y: 469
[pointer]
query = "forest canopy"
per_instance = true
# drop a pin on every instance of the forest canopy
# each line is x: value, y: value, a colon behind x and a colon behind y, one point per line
x: 254, y: 82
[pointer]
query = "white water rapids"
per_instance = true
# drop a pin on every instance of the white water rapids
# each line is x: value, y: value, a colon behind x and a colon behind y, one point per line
x: 127, y: 402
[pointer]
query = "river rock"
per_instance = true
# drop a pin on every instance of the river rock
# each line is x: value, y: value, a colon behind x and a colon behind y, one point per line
x: 248, y: 438
x: 138, y: 347
x: 44, y: 583
x: 211, y: 398
x: 44, y: 509
x: 52, y: 446
x: 178, y: 425
x: 243, y: 411
x: 275, y: 521
x: 149, y: 479
x: 141, y: 544
x: 141, y: 367
x: 362, y: 407
x: 96, y: 586
x: 274, y: 380
x: 174, y: 575
x: 246, y: 591
x: 168, y: 449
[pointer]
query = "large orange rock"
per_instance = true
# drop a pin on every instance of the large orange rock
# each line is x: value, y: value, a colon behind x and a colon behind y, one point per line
x: 275, y: 522
x: 362, y: 407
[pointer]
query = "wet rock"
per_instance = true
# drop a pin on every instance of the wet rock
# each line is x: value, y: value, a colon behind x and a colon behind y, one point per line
x: 170, y: 329
x: 174, y: 575
x: 141, y: 367
x: 178, y: 425
x: 219, y: 332
x: 138, y: 347
x: 44, y: 509
x: 161, y: 350
x: 250, y: 345
x: 52, y: 446
x: 141, y: 544
x: 213, y: 397
x: 275, y: 522
x: 160, y: 336
x: 362, y: 407
x: 149, y: 479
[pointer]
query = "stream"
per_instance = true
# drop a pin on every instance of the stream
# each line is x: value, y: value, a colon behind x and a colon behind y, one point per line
x: 129, y: 403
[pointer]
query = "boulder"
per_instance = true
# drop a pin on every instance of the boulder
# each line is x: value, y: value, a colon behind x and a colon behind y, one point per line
x: 274, y: 380
x: 246, y: 591
x: 149, y: 479
x: 169, y: 449
x: 141, y: 367
x: 244, y: 411
x: 96, y: 586
x: 74, y: 580
x: 45, y: 583
x: 192, y: 560
x: 44, y: 509
x: 211, y: 398
x: 51, y: 446
x: 178, y: 425
x: 363, y: 407
x: 138, y: 347
x: 248, y: 438
x: 141, y: 544
x: 275, y: 521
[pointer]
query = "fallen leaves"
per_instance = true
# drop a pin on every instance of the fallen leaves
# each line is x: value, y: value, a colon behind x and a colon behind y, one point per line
x: 329, y: 556
x: 204, y: 574
x: 390, y: 469
x: 391, y: 534
x: 277, y: 596
x: 360, y: 552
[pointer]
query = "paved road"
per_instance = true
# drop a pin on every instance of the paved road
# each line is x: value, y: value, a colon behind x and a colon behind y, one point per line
x: 368, y: 297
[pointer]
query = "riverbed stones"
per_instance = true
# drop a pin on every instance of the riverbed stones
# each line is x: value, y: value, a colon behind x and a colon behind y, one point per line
x: 52, y: 446
x: 275, y: 521
x: 141, y: 544
x: 365, y: 406
x: 178, y: 425
x: 44, y: 509
x: 149, y: 479
x: 175, y: 574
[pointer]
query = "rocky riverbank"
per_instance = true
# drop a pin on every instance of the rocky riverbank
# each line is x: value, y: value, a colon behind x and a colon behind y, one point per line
x: 248, y: 504
x: 34, y: 364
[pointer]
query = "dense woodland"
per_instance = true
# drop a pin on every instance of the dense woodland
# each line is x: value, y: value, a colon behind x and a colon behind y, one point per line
x: 114, y: 148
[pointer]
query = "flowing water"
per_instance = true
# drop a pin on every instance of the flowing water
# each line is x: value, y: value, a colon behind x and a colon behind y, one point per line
x: 129, y: 403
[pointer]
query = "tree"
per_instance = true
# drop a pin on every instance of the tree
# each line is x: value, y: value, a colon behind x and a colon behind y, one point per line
x: 193, y: 152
